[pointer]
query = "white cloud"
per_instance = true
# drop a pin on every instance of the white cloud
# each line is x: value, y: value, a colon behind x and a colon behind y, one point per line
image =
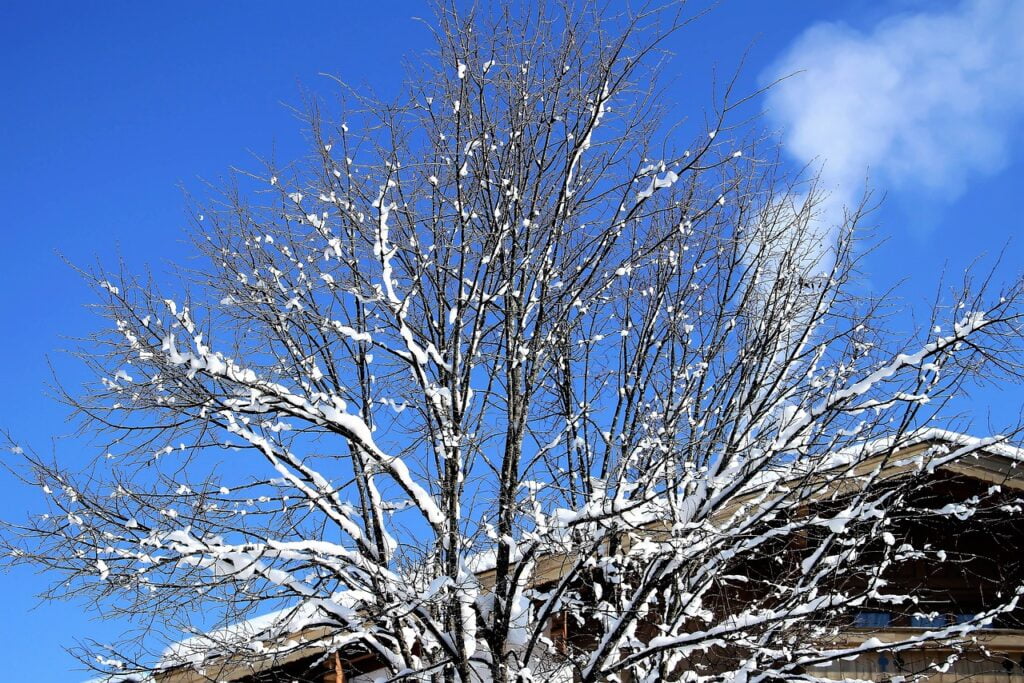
x: 922, y: 101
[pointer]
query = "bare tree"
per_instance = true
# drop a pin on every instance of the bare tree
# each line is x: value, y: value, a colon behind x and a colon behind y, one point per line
x: 513, y: 350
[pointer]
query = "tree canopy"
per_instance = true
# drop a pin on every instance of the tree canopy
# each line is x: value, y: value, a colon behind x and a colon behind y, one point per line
x: 517, y: 314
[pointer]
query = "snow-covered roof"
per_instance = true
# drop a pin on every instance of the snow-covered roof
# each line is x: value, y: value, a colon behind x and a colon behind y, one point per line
x: 125, y: 678
x: 256, y: 644
x: 970, y: 446
x: 995, y: 445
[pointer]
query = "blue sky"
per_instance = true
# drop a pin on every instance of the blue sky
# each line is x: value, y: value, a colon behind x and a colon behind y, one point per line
x: 111, y: 108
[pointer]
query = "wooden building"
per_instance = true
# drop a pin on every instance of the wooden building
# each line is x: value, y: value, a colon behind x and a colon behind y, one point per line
x: 990, y: 557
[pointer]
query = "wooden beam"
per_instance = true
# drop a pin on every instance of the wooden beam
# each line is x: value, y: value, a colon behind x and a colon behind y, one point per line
x: 335, y: 671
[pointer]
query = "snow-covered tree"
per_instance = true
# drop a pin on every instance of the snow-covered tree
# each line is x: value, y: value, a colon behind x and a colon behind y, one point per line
x: 512, y: 351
